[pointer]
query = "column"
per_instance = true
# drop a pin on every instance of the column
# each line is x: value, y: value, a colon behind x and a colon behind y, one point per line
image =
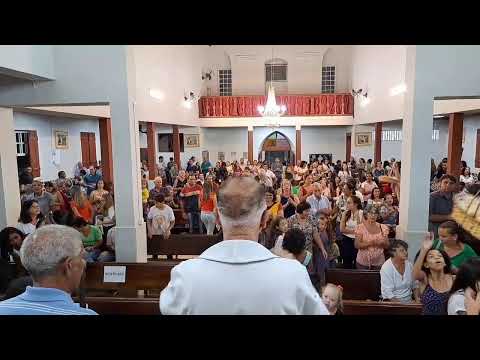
x: 298, y: 143
x: 378, y: 142
x: 9, y: 187
x: 415, y: 171
x: 348, y: 146
x: 131, y: 234
x: 455, y: 136
x: 176, y: 145
x: 152, y: 168
x: 250, y: 144
x: 105, y: 127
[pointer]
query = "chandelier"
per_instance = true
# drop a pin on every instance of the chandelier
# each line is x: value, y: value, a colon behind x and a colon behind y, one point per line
x: 271, y: 109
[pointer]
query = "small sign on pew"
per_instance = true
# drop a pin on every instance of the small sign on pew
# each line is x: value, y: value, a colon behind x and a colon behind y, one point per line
x: 114, y: 274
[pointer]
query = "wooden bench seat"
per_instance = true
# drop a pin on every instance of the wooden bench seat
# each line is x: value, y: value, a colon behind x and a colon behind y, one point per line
x: 123, y: 306
x: 362, y: 307
x: 150, y: 306
x: 356, y: 284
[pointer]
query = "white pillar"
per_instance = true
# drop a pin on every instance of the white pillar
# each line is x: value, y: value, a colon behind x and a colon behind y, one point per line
x: 130, y: 237
x: 9, y: 187
x: 415, y: 171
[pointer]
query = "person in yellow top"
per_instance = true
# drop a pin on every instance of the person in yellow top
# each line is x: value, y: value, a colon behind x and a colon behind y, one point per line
x: 145, y: 196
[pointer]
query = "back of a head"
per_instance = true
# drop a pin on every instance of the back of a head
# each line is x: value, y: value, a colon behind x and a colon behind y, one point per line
x: 241, y: 201
x: 43, y: 250
x: 294, y: 241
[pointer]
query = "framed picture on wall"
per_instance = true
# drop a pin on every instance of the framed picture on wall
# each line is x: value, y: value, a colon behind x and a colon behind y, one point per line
x: 363, y: 139
x: 61, y: 139
x: 221, y: 156
x: 233, y: 155
x: 245, y: 156
x: 192, y: 140
x: 205, y: 155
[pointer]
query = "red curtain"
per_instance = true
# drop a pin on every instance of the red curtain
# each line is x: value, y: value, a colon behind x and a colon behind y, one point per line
x: 297, y: 105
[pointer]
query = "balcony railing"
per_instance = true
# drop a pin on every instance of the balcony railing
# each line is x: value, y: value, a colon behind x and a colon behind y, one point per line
x: 297, y: 105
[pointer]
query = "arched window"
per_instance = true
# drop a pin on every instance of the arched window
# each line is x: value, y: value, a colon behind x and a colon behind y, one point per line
x: 276, y: 71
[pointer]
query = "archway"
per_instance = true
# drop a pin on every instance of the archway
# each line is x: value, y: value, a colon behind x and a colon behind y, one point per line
x: 276, y: 145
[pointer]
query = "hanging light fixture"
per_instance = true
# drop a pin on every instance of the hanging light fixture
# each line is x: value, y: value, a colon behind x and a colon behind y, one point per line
x: 271, y: 109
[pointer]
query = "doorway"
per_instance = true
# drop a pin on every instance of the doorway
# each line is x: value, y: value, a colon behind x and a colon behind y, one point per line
x: 276, y: 145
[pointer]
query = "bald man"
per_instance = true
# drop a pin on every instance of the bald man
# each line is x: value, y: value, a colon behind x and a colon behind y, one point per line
x: 238, y: 275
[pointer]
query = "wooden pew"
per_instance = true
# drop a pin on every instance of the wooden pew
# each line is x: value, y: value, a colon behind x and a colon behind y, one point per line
x: 356, y: 284
x: 362, y: 307
x: 124, y: 306
x: 185, y: 244
x: 150, y: 306
x: 139, y: 276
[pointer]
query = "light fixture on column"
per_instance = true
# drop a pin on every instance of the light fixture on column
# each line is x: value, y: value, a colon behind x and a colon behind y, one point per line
x: 399, y: 89
x: 188, y: 99
x: 365, y: 100
x: 271, y: 109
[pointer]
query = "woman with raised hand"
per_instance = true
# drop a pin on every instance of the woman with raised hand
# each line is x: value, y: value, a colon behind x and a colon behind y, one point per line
x: 432, y: 269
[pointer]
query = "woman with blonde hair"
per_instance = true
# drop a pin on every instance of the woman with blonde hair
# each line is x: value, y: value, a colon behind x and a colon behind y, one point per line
x: 81, y: 207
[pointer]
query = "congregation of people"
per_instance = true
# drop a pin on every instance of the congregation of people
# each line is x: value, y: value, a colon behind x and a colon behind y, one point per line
x: 321, y: 215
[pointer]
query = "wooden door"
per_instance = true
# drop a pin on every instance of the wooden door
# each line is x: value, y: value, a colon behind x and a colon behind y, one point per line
x: 348, y: 147
x: 477, y: 150
x: 89, y: 149
x: 33, y: 153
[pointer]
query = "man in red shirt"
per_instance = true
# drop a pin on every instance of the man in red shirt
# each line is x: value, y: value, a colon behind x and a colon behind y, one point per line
x: 191, y: 194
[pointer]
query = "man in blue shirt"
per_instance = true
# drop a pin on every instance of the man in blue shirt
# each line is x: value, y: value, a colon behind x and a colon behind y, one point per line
x: 53, y: 255
x: 91, y: 180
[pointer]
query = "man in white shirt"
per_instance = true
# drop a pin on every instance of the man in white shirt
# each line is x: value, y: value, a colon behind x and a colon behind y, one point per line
x: 319, y: 203
x: 269, y: 173
x: 239, y: 276
x: 160, y: 218
x: 242, y: 164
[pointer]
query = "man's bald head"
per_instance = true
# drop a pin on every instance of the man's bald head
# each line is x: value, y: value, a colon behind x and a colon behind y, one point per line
x: 241, y: 201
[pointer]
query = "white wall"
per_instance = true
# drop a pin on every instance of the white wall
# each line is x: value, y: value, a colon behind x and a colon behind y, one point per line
x: 227, y: 140
x: 304, y: 72
x: 53, y: 160
x: 324, y: 140
x: 341, y: 58
x: 33, y: 60
x: 389, y: 148
x: 437, y: 150
x: 171, y: 70
x: 377, y: 69
x: 188, y: 153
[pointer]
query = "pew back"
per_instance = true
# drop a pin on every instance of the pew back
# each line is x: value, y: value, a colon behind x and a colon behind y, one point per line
x: 356, y: 284
x: 185, y: 244
x: 361, y: 307
x: 138, y: 276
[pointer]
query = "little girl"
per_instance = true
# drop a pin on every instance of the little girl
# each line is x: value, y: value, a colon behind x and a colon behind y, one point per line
x: 332, y: 298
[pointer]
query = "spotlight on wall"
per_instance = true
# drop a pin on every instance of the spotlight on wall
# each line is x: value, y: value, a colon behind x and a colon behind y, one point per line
x: 207, y: 75
x: 189, y: 97
x: 365, y: 100
x: 357, y: 92
x: 157, y: 94
x: 399, y: 89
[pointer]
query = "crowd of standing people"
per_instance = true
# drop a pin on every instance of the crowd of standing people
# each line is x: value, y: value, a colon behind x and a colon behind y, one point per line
x: 324, y: 214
